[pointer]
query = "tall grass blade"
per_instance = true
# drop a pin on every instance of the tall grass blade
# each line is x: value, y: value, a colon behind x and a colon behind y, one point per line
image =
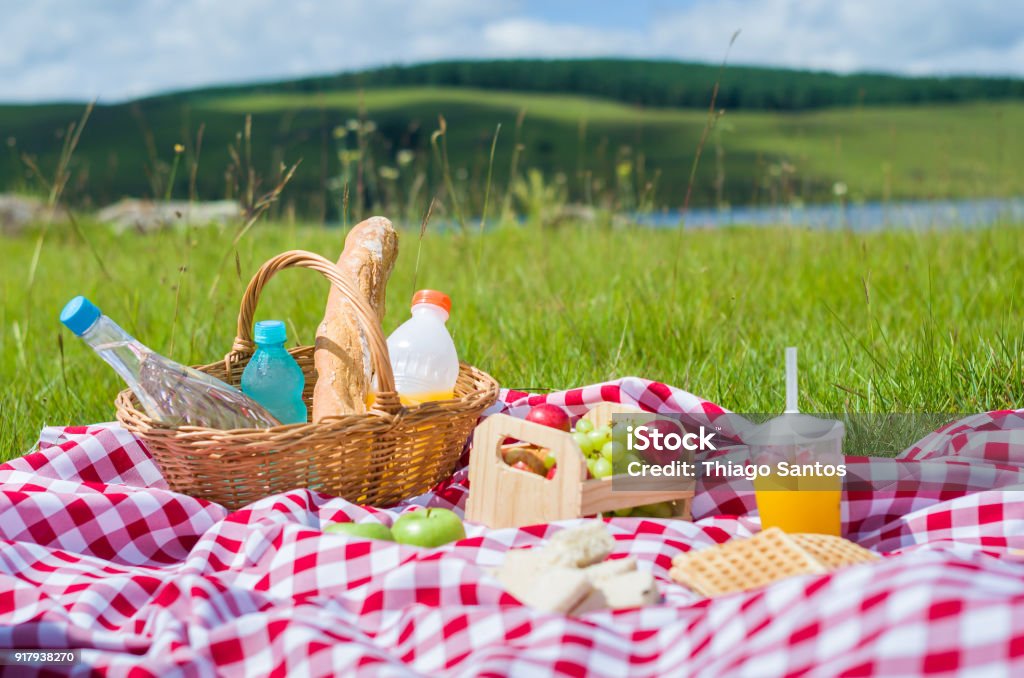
x: 487, y: 194
x: 709, y: 125
x: 442, y: 155
x: 419, y: 243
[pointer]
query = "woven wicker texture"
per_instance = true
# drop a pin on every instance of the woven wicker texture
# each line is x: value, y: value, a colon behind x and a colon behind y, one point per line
x: 742, y: 564
x: 378, y: 458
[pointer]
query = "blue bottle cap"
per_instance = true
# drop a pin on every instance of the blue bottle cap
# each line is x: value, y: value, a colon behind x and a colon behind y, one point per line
x: 270, y: 332
x: 79, y: 314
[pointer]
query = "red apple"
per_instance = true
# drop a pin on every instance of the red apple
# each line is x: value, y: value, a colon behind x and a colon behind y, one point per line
x: 550, y: 415
x: 525, y: 459
x: 661, y: 457
x: 521, y: 465
x: 554, y: 469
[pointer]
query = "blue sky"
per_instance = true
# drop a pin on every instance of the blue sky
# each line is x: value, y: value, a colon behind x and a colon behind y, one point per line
x: 120, y: 49
x: 622, y: 14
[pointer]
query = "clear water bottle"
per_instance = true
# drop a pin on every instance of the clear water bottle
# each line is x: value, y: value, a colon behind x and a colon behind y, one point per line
x: 423, y: 355
x: 168, y: 391
x: 273, y: 378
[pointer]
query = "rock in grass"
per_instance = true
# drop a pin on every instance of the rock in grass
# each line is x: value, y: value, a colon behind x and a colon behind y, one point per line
x: 19, y: 211
x: 147, y: 216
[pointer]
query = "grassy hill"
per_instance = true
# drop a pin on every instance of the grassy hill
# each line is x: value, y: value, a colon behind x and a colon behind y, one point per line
x: 671, y: 84
x: 375, y: 145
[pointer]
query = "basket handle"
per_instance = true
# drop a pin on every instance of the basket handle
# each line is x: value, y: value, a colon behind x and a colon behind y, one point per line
x: 366, y: 316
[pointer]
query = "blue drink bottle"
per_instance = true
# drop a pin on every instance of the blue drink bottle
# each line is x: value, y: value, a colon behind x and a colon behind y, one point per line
x: 273, y: 378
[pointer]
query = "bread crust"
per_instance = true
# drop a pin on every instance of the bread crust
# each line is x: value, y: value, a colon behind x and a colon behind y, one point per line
x: 341, y: 355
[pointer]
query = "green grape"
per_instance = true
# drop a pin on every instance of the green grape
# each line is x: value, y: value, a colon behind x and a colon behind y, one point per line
x: 600, y: 436
x: 590, y: 466
x: 549, y: 461
x: 584, y: 426
x: 623, y: 512
x: 583, y: 440
x: 601, y: 468
x: 627, y: 458
x: 611, y: 451
x: 620, y: 433
x: 622, y: 460
x: 662, y: 510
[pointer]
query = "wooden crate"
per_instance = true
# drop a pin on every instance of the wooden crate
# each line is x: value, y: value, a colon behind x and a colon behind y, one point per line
x: 502, y: 496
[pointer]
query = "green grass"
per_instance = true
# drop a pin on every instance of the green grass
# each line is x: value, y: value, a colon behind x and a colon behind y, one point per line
x: 899, y: 151
x: 886, y: 322
x: 597, y: 151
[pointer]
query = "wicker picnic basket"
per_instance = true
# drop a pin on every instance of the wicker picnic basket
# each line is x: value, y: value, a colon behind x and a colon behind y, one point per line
x: 379, y: 458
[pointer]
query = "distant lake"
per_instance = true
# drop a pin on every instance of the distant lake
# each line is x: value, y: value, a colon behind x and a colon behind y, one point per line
x: 866, y: 216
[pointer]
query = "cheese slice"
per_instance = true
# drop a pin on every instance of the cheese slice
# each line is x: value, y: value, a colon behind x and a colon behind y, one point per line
x: 630, y: 589
x: 620, y: 591
x: 581, y: 546
x: 529, y: 575
x: 610, y: 568
x: 569, y: 574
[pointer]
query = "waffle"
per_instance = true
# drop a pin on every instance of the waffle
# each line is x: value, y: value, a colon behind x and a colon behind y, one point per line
x: 834, y: 552
x: 743, y: 564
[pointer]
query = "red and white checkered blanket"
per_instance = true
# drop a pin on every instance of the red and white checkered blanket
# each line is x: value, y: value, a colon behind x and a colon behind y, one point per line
x: 96, y: 553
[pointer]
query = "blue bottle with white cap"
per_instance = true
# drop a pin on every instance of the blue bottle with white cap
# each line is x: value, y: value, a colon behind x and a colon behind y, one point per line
x: 273, y: 378
x: 168, y: 391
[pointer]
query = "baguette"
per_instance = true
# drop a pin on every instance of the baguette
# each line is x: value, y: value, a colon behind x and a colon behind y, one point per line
x: 342, y: 355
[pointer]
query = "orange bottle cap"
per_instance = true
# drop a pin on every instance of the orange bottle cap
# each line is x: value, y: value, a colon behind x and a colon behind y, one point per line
x: 433, y: 297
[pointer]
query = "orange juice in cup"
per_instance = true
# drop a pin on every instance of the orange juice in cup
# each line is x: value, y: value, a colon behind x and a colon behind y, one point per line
x: 803, y: 457
x: 797, y: 505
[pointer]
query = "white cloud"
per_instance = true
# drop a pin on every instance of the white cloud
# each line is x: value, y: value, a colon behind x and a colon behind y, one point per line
x: 117, y: 49
x: 526, y: 37
x: 123, y: 48
x: 910, y: 36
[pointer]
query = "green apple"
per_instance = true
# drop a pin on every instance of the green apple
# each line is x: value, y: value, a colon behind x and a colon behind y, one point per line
x: 430, y: 528
x: 371, y: 530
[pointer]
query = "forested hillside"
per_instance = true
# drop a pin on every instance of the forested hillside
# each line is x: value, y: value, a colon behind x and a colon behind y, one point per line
x: 664, y: 83
x: 614, y: 134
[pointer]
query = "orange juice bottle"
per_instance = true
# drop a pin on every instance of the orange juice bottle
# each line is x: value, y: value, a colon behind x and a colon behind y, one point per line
x: 423, y: 355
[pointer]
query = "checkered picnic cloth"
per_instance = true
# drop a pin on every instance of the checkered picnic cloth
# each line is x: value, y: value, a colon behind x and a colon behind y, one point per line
x: 96, y: 553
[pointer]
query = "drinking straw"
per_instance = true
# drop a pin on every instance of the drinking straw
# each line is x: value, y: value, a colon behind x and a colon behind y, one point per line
x: 791, y: 395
